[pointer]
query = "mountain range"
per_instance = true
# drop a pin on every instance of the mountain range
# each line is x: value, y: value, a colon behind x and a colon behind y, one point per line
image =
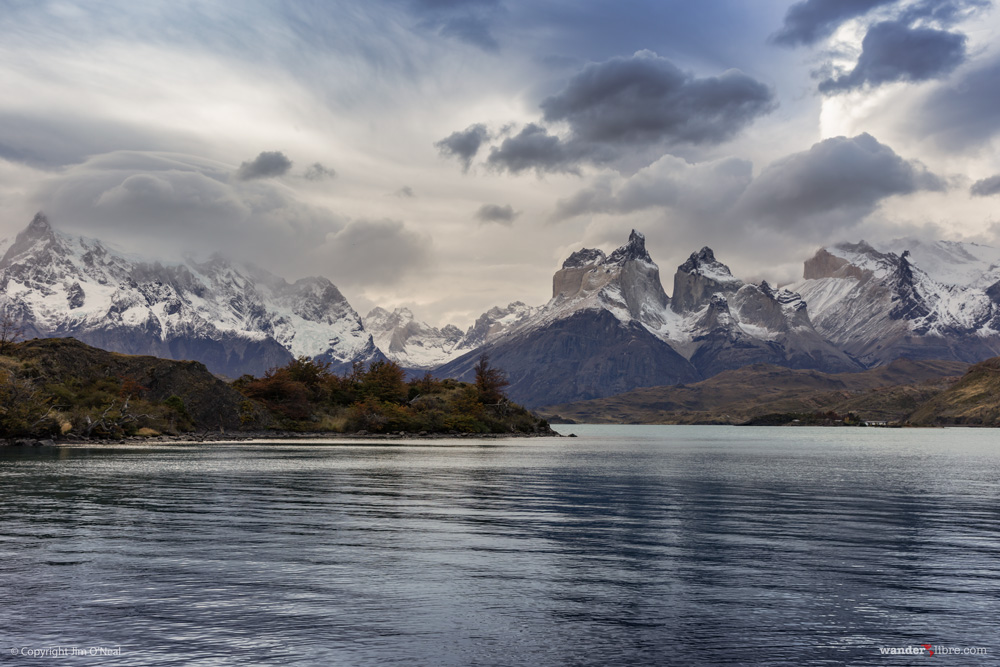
x: 235, y: 319
x: 609, y: 327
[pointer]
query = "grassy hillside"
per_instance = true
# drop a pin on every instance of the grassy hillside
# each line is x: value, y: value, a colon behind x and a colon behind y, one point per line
x: 60, y: 387
x: 887, y: 393
x: 973, y: 400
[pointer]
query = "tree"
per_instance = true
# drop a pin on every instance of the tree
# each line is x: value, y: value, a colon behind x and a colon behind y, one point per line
x: 309, y: 372
x: 24, y: 409
x: 490, y: 382
x: 11, y: 331
x: 386, y: 381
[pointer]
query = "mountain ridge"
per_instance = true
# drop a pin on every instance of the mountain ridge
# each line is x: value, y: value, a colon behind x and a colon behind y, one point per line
x: 233, y: 318
x: 608, y: 327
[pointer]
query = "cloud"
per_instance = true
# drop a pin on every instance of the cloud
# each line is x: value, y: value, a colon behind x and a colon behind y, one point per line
x: 962, y: 114
x: 49, y: 138
x: 836, y: 183
x: 701, y: 191
x: 534, y: 148
x: 473, y: 30
x: 942, y: 12
x: 986, y: 187
x: 179, y: 203
x: 639, y: 105
x: 464, y: 145
x: 893, y: 51
x: 376, y: 252
x: 315, y: 172
x: 405, y: 192
x: 810, y: 21
x: 469, y: 21
x: 269, y: 164
x: 647, y: 98
x: 171, y: 194
x: 501, y: 215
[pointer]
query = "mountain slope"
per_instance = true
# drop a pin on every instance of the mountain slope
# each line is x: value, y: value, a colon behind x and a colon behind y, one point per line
x: 974, y: 400
x: 879, y: 306
x: 232, y: 318
x: 887, y: 392
x: 588, y: 354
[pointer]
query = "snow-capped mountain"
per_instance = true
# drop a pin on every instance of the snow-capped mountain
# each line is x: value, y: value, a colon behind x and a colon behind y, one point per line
x: 418, y: 345
x: 610, y: 325
x: 879, y: 304
x: 235, y: 319
x: 410, y: 343
x: 950, y: 262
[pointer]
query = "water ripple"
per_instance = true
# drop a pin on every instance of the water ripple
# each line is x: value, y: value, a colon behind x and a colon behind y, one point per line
x: 627, y: 545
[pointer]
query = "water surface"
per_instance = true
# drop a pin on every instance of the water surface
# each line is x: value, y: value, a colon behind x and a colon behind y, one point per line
x: 626, y: 545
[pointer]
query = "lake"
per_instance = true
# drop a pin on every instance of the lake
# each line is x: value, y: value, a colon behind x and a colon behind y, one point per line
x: 628, y: 545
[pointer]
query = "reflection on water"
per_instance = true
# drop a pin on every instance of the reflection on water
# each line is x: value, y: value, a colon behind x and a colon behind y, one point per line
x: 627, y: 545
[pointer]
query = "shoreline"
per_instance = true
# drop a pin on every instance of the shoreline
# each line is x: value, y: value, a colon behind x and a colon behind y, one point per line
x: 267, y: 436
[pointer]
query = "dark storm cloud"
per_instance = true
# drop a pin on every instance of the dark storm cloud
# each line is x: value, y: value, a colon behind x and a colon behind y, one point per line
x: 502, y: 215
x: 835, y: 183
x: 645, y: 98
x: 317, y: 172
x: 269, y: 164
x: 893, y: 51
x: 464, y: 145
x: 812, y: 20
x: 642, y: 103
x: 534, y: 148
x: 986, y: 187
x: 962, y: 114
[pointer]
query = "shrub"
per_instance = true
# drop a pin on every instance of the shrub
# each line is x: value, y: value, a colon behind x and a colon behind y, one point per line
x: 385, y: 381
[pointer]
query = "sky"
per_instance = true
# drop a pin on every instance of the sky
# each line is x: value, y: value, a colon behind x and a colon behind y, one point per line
x: 448, y: 155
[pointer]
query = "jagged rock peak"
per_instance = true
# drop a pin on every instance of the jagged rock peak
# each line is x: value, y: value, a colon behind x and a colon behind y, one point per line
x: 37, y: 237
x: 719, y: 302
x: 584, y: 257
x: 904, y: 272
x: 635, y: 249
x: 39, y: 225
x: 697, y: 279
x: 704, y: 257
